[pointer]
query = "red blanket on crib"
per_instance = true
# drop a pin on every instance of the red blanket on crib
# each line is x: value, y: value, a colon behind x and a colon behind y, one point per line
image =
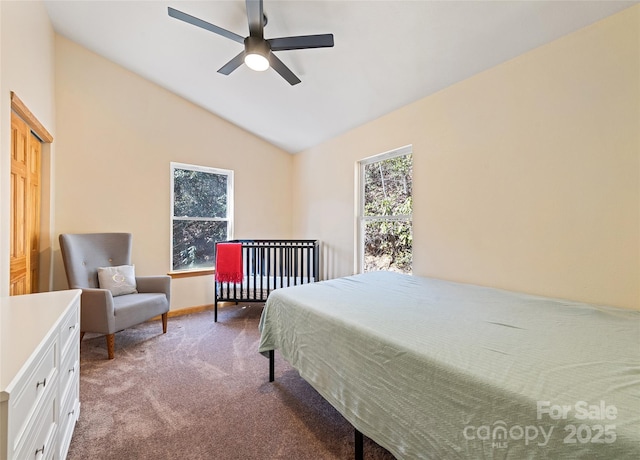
x: 229, y: 262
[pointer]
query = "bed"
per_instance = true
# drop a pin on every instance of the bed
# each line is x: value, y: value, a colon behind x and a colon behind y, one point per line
x: 431, y: 369
x: 269, y: 265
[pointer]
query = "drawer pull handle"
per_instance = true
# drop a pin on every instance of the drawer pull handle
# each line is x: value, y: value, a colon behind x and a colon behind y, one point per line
x: 72, y: 327
x: 41, y: 450
x: 71, y: 413
x: 43, y: 383
x: 73, y: 369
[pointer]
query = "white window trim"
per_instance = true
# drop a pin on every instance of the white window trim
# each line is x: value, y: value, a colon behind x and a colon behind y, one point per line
x: 230, y: 209
x: 361, y: 219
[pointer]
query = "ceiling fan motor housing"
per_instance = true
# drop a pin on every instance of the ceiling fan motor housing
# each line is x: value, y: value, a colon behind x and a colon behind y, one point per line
x: 255, y: 45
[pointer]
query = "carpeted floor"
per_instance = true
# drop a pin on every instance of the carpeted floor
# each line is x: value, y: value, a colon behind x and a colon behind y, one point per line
x: 201, y: 391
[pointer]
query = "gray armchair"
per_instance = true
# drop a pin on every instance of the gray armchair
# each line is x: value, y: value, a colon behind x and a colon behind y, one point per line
x: 100, y: 311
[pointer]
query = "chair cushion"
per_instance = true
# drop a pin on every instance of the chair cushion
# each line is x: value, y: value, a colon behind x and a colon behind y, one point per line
x: 133, y: 309
x: 119, y: 280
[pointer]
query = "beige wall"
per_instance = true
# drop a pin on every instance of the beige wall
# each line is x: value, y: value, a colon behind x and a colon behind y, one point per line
x: 526, y: 177
x: 26, y: 68
x: 116, y: 136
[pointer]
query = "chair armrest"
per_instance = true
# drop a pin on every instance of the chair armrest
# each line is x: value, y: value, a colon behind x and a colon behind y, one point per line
x: 97, y: 312
x: 159, y: 283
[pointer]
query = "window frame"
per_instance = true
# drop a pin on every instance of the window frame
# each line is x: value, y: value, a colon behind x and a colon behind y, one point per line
x: 230, y: 208
x: 361, y: 219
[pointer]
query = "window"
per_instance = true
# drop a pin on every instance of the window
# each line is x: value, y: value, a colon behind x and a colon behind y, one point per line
x: 202, y: 213
x: 385, y: 212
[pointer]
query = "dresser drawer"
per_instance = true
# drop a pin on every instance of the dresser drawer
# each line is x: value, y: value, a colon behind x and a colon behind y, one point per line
x: 70, y: 368
x: 69, y: 328
x: 36, y: 384
x: 40, y: 440
x: 69, y: 412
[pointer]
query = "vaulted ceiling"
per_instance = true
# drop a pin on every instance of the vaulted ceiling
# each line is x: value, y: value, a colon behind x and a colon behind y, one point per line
x: 386, y: 54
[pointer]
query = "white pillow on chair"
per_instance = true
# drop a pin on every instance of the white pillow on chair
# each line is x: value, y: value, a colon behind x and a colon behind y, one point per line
x: 119, y: 280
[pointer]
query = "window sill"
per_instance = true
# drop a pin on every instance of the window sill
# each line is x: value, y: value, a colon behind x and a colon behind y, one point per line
x: 191, y: 273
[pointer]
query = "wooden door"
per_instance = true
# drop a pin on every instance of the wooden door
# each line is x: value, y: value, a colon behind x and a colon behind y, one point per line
x: 25, y: 208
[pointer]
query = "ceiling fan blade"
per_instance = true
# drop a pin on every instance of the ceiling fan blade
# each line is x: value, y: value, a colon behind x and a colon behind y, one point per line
x: 301, y: 42
x: 232, y: 65
x: 204, y: 25
x: 283, y: 70
x: 256, y: 18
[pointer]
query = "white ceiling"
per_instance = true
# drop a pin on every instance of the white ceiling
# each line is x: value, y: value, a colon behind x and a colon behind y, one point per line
x: 386, y: 54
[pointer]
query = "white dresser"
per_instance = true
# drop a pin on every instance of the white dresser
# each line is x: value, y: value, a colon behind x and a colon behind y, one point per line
x: 39, y: 374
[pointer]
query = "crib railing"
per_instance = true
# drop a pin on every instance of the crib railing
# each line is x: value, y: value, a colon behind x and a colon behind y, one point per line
x: 269, y: 265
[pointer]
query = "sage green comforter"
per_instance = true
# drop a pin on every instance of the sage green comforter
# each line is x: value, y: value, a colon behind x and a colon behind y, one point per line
x: 437, y: 370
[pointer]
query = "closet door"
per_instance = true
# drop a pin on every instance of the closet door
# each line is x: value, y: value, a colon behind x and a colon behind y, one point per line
x: 25, y: 208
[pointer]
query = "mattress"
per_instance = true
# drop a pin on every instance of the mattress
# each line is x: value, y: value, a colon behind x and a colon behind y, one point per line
x: 434, y: 369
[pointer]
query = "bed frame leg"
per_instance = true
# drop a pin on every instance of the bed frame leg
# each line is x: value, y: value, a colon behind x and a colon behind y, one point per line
x: 272, y: 366
x: 359, y: 448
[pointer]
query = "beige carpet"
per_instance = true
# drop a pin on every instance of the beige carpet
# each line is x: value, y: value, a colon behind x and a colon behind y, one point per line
x: 201, y: 391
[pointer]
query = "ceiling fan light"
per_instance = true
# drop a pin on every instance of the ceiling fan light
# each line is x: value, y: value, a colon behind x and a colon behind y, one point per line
x: 256, y: 62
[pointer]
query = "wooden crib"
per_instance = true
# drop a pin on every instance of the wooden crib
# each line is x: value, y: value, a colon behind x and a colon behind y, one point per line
x: 269, y: 265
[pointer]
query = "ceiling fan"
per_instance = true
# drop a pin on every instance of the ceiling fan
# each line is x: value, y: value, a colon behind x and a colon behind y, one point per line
x: 258, y: 51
